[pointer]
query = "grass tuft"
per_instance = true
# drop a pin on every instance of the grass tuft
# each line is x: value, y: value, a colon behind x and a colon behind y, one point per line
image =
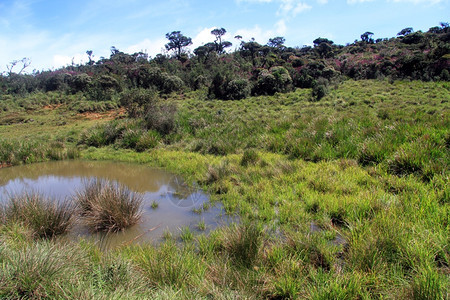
x: 45, y: 217
x: 243, y: 243
x: 109, y: 206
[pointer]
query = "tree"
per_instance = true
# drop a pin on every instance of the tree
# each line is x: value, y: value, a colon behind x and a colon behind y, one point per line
x: 277, y: 42
x: 367, y: 37
x: 89, y: 54
x: 25, y: 63
x: 250, y: 49
x: 220, y: 45
x: 323, y: 47
x: 405, y: 31
x: 177, y: 42
x: 320, y: 40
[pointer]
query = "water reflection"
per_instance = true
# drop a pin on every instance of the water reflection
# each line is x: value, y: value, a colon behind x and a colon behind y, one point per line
x: 178, y: 204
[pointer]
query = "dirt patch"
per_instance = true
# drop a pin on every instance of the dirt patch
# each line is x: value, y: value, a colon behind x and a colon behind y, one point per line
x: 108, y: 115
x: 52, y: 106
x: 5, y: 165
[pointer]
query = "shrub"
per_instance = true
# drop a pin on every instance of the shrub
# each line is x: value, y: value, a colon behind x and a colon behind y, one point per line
x: 161, y: 117
x: 130, y: 138
x: 319, y: 89
x: 171, y: 83
x: 81, y: 82
x: 147, y: 140
x: 237, y: 89
x: 265, y: 85
x: 137, y: 101
x: 201, y: 82
x: 44, y: 216
x: 108, y: 206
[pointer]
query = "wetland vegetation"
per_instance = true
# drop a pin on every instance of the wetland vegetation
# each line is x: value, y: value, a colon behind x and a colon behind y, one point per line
x: 339, y: 176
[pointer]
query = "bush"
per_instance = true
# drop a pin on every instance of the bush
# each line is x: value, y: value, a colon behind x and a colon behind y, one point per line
x: 81, y: 83
x: 171, y: 83
x: 266, y: 84
x: 237, y: 89
x: 148, y: 140
x: 319, y: 89
x: 137, y: 101
x: 161, y: 117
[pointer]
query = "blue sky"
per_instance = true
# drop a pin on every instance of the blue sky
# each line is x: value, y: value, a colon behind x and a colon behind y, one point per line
x: 53, y: 32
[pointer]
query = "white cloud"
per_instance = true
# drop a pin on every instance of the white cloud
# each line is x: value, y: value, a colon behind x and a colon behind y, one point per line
x: 322, y: 1
x: 292, y: 7
x: 287, y: 7
x: 260, y: 35
x: 147, y: 46
x: 205, y: 36
x: 64, y: 60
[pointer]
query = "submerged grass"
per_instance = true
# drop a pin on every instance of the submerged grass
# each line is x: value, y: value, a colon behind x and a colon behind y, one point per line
x: 109, y: 206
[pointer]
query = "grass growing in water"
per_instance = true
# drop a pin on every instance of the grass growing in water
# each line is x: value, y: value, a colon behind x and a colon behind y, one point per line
x: 109, y: 206
x: 45, y: 217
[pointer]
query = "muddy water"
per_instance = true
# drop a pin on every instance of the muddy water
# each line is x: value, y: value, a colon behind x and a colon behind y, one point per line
x: 178, y: 204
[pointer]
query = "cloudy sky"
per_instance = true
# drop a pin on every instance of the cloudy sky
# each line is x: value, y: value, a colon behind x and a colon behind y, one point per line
x: 52, y: 33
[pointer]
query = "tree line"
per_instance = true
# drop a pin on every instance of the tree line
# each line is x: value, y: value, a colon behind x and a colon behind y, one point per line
x: 251, y: 69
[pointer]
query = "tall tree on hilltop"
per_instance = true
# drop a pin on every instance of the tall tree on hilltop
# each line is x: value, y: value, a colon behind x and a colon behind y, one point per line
x: 220, y: 45
x: 177, y: 42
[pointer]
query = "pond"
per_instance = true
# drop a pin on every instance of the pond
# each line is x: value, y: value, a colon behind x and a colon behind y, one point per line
x: 178, y: 205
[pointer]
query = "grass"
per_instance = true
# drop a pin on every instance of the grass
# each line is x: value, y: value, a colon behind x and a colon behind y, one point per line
x: 344, y: 198
x: 45, y: 217
x: 154, y: 204
x: 108, y: 206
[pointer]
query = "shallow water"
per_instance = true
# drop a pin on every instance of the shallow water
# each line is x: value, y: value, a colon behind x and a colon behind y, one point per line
x: 176, y: 200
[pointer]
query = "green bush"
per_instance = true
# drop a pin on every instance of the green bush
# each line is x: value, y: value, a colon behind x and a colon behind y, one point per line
x: 161, y: 117
x: 237, y: 89
x: 171, y: 83
x: 137, y: 101
x: 147, y: 140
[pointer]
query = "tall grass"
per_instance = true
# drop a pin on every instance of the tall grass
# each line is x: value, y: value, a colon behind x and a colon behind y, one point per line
x: 243, y: 243
x: 109, y: 206
x: 46, y: 217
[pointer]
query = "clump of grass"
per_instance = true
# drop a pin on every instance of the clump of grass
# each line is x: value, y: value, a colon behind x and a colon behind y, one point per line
x: 186, y: 234
x: 154, y: 204
x: 167, y: 235
x: 243, y: 243
x: 45, y: 217
x: 250, y: 157
x: 109, y: 206
x: 31, y: 273
x: 197, y: 210
x: 428, y: 285
x: 201, y: 225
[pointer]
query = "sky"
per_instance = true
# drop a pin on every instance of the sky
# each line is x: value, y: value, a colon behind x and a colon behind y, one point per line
x: 53, y: 33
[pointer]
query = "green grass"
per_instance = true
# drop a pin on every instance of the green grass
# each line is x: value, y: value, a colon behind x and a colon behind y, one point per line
x: 344, y: 198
